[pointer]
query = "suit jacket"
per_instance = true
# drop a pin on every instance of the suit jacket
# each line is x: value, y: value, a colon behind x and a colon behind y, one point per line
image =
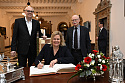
x: 21, y: 40
x: 63, y: 55
x: 85, y: 44
x: 102, y: 38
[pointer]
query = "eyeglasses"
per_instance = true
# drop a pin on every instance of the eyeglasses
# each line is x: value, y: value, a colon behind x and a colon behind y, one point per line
x: 56, y: 38
x: 74, y: 19
x: 29, y: 11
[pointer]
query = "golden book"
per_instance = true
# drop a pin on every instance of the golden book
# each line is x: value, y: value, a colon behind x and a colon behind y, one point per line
x: 57, y: 68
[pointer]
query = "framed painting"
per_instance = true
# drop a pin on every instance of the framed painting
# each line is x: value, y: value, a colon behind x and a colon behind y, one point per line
x: 3, y: 31
x: 88, y: 25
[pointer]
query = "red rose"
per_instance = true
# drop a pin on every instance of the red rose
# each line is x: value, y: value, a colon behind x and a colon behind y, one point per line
x: 104, y: 67
x: 95, y: 51
x: 107, y: 58
x: 87, y: 60
x: 104, y: 57
x: 78, y: 66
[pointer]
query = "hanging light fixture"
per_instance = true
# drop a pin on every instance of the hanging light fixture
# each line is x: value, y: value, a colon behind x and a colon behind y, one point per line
x: 28, y: 4
x: 37, y: 15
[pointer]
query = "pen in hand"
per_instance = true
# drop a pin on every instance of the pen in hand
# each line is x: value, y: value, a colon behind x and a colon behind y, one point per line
x: 41, y: 64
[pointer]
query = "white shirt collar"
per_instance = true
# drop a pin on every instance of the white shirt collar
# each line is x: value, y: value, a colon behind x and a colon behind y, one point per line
x: 77, y: 27
x: 101, y: 28
x: 26, y: 19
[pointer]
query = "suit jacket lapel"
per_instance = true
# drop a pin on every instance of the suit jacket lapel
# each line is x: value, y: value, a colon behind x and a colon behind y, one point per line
x: 72, y: 32
x: 82, y: 32
x: 101, y: 31
x: 26, y: 26
x: 33, y: 26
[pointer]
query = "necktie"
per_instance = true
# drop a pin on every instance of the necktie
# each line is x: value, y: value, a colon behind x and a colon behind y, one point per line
x: 75, y: 39
x: 99, y: 30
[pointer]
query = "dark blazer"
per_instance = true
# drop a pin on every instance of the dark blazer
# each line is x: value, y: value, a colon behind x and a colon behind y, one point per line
x: 21, y: 40
x: 63, y: 55
x: 84, y: 40
x: 102, y: 38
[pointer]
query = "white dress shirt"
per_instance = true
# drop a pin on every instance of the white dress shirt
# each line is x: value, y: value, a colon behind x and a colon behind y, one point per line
x: 29, y: 25
x: 101, y: 29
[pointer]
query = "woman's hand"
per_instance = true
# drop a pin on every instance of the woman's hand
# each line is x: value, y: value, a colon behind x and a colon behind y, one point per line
x: 40, y: 66
x: 52, y: 63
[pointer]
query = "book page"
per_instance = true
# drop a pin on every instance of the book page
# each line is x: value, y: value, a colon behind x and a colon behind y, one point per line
x: 63, y: 66
x: 57, y: 68
x: 45, y: 70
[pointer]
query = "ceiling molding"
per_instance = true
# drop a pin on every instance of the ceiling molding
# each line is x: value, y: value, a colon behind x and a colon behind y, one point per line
x: 38, y: 1
x: 43, y: 7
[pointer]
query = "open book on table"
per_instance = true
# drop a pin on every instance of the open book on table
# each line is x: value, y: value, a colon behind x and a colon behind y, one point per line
x: 57, y: 68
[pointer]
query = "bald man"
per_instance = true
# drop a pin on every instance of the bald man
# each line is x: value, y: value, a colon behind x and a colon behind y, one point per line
x: 24, y: 38
x: 78, y: 44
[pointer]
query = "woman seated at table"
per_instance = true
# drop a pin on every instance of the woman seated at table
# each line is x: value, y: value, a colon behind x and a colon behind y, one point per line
x: 53, y: 53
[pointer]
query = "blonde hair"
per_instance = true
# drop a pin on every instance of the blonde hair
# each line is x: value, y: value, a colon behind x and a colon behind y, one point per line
x: 62, y: 43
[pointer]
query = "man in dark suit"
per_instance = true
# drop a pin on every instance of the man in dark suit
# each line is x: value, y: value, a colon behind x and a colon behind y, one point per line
x: 78, y: 40
x: 24, y: 38
x: 102, y: 38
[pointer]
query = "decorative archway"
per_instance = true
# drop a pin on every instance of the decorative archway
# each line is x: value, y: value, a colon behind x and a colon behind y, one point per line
x: 46, y: 25
x: 103, y: 11
x: 62, y: 27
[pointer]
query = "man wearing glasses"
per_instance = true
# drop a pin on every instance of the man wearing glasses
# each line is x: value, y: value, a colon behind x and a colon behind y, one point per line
x: 24, y: 38
x: 78, y: 40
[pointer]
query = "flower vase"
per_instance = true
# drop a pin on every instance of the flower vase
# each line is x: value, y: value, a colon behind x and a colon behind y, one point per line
x: 90, y: 74
x: 85, y: 74
x: 98, y: 74
x: 82, y: 74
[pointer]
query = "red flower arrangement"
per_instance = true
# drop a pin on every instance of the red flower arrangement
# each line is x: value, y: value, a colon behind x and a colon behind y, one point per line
x: 87, y: 60
x: 77, y: 67
x: 95, y: 51
x: 104, y: 67
x: 94, y: 63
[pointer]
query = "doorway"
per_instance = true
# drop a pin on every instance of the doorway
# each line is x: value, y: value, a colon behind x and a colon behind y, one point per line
x: 106, y: 27
x: 103, y: 11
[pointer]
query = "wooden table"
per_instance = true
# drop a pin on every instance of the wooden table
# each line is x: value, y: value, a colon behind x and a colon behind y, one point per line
x: 61, y: 78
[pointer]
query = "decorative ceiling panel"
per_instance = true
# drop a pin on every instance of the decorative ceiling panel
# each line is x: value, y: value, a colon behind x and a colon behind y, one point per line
x: 43, y: 7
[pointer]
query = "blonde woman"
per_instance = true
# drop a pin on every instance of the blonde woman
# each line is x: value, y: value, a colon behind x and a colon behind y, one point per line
x: 55, y: 52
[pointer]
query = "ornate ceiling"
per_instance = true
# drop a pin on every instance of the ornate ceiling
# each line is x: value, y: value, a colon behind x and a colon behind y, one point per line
x: 43, y: 7
x: 37, y: 1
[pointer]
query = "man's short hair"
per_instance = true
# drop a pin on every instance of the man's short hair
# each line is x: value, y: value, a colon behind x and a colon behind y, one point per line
x: 101, y: 22
x: 27, y: 7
